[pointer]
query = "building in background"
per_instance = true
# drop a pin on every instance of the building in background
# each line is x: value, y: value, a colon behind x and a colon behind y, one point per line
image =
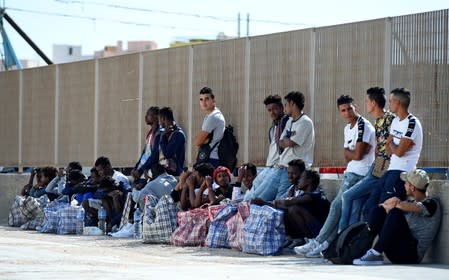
x: 68, y: 53
x: 26, y: 63
x: 133, y: 46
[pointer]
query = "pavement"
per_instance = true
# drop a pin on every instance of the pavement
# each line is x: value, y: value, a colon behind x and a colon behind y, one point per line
x: 33, y: 255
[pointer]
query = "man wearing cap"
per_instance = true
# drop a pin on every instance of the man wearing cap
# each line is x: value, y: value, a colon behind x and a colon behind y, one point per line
x: 405, y: 228
x: 222, y: 177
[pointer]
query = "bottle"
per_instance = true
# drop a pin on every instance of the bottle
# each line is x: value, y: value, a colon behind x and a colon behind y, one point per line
x: 80, y: 221
x: 102, y: 219
x: 137, y: 224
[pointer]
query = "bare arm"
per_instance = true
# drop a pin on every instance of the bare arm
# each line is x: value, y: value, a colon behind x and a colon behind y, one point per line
x: 285, y: 142
x: 361, y: 149
x: 201, y: 138
x: 404, y: 146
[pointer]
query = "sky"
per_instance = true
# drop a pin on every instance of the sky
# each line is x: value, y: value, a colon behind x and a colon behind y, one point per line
x: 94, y: 24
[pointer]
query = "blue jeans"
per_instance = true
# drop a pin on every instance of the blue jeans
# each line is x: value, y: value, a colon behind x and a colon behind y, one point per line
x: 354, y: 198
x: 329, y: 230
x: 270, y: 184
x: 390, y: 184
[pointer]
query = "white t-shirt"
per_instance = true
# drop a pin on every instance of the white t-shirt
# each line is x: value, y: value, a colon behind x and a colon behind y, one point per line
x: 120, y: 177
x: 273, y: 150
x: 410, y: 128
x: 302, y: 133
x: 215, y: 122
x: 362, y: 131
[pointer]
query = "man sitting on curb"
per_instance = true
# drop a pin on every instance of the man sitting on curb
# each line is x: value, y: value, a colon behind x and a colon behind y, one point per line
x: 405, y: 228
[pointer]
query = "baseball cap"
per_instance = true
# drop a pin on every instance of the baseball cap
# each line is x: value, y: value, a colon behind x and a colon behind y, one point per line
x: 418, y: 178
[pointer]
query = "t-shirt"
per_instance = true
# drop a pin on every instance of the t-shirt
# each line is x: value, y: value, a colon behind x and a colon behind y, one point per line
x: 318, y: 207
x: 301, y: 132
x: 214, y: 122
x: 410, y: 128
x: 382, y: 126
x: 120, y: 178
x: 274, y: 134
x: 362, y: 131
x: 424, y: 225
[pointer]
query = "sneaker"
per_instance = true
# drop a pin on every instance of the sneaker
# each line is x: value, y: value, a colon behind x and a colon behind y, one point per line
x: 303, y: 250
x: 125, y: 232
x: 370, y: 258
x: 316, y: 252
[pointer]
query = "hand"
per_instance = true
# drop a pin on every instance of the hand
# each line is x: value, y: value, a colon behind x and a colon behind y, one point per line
x: 390, y: 203
x: 135, y: 174
x: 279, y: 203
x: 61, y: 172
x: 209, y: 181
x: 241, y: 173
x: 184, y: 175
x: 258, y: 201
x: 190, y: 182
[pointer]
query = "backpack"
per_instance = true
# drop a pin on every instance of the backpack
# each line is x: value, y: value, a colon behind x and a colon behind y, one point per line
x: 350, y: 244
x: 228, y: 148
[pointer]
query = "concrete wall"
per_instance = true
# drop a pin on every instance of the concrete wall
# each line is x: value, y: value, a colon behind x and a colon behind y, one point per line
x: 11, y: 184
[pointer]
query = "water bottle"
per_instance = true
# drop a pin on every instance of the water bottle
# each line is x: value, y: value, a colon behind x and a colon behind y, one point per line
x: 102, y: 219
x: 137, y: 224
x: 80, y: 221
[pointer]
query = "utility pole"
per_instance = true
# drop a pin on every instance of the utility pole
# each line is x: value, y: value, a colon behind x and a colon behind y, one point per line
x: 247, y: 25
x: 238, y: 25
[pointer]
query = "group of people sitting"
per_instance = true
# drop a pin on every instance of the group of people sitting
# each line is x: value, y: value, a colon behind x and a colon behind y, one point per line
x: 381, y: 184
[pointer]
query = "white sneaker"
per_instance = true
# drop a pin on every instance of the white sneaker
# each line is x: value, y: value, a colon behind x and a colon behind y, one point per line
x: 316, y: 252
x: 304, y: 249
x: 370, y: 258
x: 126, y: 231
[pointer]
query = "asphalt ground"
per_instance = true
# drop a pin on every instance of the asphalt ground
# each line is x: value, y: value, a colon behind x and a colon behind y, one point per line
x: 33, y: 255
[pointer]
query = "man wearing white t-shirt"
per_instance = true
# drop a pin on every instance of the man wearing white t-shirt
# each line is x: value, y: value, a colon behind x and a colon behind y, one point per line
x: 404, y: 145
x: 358, y: 150
x: 297, y: 141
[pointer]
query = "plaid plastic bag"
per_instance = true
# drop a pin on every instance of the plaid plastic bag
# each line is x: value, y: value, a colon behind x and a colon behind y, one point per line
x: 67, y: 219
x: 193, y: 226
x: 264, y: 231
x: 16, y: 217
x: 51, y: 219
x: 149, y: 213
x: 126, y: 210
x: 164, y: 223
x: 217, y: 237
x: 31, y: 208
x: 236, y: 226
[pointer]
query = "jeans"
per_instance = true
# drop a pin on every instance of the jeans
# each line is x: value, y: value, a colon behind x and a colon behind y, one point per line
x: 390, y: 184
x: 395, y: 237
x: 354, y: 198
x: 270, y: 184
x: 329, y: 230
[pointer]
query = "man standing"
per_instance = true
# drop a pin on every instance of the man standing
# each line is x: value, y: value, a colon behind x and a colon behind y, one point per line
x: 172, y: 144
x: 354, y: 198
x: 297, y: 141
x: 273, y: 104
x: 358, y: 150
x: 150, y: 153
x: 213, y: 125
x: 404, y: 145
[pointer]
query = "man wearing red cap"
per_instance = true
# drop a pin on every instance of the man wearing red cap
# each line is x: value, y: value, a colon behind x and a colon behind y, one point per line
x: 222, y: 177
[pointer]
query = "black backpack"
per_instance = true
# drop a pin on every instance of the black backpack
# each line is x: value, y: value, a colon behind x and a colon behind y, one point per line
x: 228, y: 148
x: 350, y: 244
